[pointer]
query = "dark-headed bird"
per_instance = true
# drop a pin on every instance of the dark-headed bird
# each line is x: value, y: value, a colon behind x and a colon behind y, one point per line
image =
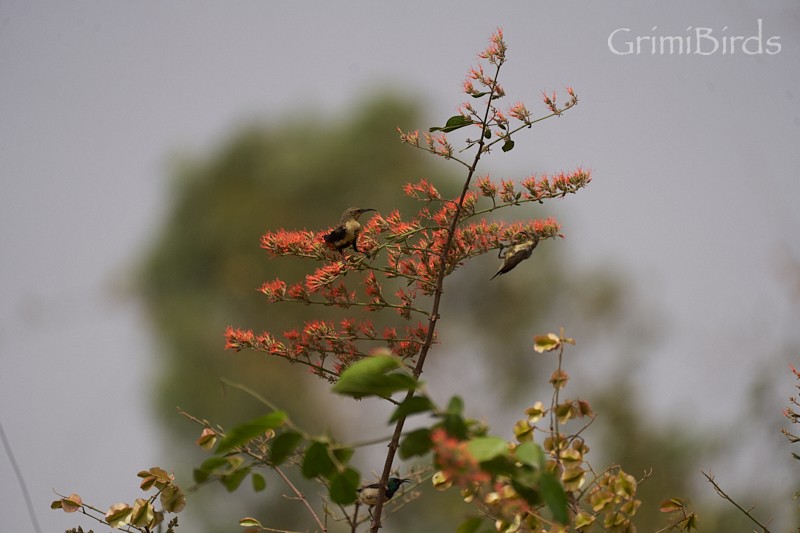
x: 369, y: 494
x: 516, y: 254
x: 346, y: 233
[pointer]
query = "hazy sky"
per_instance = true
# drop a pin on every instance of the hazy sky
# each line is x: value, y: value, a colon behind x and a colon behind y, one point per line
x: 694, y: 200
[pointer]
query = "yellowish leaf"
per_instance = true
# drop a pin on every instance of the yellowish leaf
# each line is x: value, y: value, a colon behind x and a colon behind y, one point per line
x: 207, y: 439
x: 441, y: 481
x: 546, y: 343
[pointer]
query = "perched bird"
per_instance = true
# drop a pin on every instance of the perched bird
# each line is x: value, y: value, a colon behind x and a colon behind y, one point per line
x: 369, y: 494
x: 515, y: 255
x: 346, y: 233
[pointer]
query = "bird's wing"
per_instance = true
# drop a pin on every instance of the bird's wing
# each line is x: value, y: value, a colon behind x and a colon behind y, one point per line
x: 513, y: 257
x: 336, y: 235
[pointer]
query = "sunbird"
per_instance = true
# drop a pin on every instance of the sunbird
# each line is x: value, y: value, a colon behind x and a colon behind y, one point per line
x: 346, y: 233
x: 516, y: 254
x: 369, y: 494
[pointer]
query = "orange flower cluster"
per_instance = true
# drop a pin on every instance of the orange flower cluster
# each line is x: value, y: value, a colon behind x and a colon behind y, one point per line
x: 535, y: 187
x: 412, y: 250
x: 455, y: 461
x: 550, y: 101
x: 318, y: 340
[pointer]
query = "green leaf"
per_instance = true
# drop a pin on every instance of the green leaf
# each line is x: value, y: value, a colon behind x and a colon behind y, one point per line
x: 453, y: 421
x: 416, y: 443
x: 371, y: 377
x: 319, y: 459
x: 453, y: 123
x: 259, y: 483
x: 530, y: 454
x: 554, y: 497
x: 316, y: 461
x: 413, y: 405
x: 478, y: 95
x: 207, y: 467
x: 343, y: 454
x: 471, y: 525
x: 487, y: 133
x: 233, y: 480
x: 200, y: 476
x: 487, y: 448
x: 455, y: 406
x: 501, y: 465
x: 344, y: 486
x: 526, y: 482
x: 242, y: 434
x: 283, y: 446
x: 212, y: 463
x: 508, y: 145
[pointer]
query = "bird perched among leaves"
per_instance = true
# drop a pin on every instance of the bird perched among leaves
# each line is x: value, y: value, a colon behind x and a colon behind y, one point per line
x: 369, y: 494
x: 346, y: 233
x: 516, y: 254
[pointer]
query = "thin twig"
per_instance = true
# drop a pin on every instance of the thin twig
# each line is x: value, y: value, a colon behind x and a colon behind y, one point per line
x: 723, y: 495
x: 20, y: 479
x: 554, y: 407
x: 437, y: 296
x: 300, y: 496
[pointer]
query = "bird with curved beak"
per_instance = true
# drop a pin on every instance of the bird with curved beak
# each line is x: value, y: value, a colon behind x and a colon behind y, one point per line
x: 346, y: 233
x: 369, y: 494
x: 515, y: 255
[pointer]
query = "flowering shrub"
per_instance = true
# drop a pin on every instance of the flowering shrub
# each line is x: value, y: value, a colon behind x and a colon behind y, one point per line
x: 518, y: 485
x: 396, y: 265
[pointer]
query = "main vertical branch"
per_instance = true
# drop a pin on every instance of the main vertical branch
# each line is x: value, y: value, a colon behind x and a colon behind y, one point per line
x: 437, y: 298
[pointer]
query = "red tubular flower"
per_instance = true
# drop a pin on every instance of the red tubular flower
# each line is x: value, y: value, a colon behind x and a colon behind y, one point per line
x: 438, y: 144
x: 467, y: 111
x: 487, y: 188
x: 476, y: 73
x: 546, y: 186
x: 469, y: 88
x: 410, y: 137
x: 389, y: 334
x: 407, y: 301
x: 325, y: 275
x: 550, y: 102
x: 349, y: 325
x: 507, y: 194
x: 495, y: 52
x: 573, y: 98
x: 422, y: 190
x: 298, y: 292
x: 501, y: 120
x: 373, y: 288
x: 366, y: 328
x: 274, y: 290
x: 283, y: 242
x: 520, y: 112
x: 396, y: 226
x: 236, y: 339
x: 338, y: 295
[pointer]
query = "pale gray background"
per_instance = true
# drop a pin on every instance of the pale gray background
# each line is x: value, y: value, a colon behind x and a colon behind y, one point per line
x: 695, y: 162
